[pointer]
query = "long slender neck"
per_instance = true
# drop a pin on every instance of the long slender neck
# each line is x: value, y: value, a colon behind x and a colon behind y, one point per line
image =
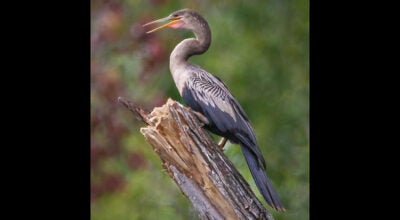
x: 191, y: 46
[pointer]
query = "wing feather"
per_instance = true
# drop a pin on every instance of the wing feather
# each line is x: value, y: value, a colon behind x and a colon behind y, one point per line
x: 214, y: 97
x: 210, y: 96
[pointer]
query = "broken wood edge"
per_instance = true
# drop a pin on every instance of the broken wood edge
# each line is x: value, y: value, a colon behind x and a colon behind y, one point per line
x: 139, y: 112
x: 196, y: 163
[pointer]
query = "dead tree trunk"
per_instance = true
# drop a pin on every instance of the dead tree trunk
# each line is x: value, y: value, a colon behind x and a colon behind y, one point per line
x: 197, y: 165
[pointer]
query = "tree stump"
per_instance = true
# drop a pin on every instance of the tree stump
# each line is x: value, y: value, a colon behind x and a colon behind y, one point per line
x: 197, y: 164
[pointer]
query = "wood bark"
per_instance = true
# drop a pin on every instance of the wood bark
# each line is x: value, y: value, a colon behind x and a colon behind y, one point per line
x: 197, y: 164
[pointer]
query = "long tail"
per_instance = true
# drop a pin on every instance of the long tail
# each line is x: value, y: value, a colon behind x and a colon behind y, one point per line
x: 261, y: 179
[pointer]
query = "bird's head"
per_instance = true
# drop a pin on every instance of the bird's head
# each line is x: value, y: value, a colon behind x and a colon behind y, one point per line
x: 184, y: 18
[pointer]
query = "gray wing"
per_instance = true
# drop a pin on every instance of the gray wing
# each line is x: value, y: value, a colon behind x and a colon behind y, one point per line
x: 207, y: 94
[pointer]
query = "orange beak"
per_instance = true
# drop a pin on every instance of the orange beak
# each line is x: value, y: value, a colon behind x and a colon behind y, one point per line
x: 175, y: 22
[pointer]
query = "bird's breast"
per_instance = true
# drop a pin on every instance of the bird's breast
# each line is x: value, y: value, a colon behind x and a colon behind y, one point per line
x: 181, y: 76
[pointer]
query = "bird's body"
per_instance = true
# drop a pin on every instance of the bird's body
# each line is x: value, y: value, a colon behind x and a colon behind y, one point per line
x: 207, y: 94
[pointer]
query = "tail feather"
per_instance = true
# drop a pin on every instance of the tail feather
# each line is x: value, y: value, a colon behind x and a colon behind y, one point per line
x: 261, y: 179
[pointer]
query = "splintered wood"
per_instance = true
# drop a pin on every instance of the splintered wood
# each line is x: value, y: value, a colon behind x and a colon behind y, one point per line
x: 198, y: 166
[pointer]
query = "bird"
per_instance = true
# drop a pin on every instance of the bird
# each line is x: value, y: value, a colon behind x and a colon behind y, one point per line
x: 208, y: 94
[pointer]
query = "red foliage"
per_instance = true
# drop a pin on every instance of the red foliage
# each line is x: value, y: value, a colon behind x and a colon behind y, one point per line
x: 110, y: 183
x: 108, y: 128
x: 135, y: 161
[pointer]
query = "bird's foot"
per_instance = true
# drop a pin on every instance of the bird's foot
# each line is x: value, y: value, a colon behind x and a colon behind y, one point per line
x: 222, y: 142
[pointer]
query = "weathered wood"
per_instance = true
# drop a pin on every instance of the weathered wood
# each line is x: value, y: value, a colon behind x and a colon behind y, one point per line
x: 196, y: 163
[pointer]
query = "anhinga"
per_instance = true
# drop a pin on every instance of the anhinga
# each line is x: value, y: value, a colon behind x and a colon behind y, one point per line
x: 207, y: 94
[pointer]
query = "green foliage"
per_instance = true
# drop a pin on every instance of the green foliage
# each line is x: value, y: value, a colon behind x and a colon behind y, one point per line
x: 260, y: 49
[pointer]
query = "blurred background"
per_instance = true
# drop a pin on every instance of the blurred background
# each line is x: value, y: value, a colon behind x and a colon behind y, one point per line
x: 260, y: 49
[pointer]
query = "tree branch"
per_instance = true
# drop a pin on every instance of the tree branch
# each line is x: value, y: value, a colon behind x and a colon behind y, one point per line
x: 196, y: 163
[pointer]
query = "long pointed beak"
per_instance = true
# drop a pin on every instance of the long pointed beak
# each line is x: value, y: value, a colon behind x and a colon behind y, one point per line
x: 173, y: 20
